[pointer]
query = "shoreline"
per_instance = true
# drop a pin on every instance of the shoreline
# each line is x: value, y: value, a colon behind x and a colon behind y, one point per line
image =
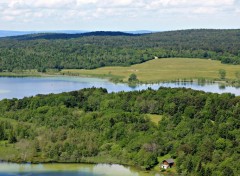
x: 115, y: 79
x: 135, y: 168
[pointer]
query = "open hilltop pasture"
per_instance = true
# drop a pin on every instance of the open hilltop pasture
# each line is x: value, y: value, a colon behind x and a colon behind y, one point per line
x: 166, y: 69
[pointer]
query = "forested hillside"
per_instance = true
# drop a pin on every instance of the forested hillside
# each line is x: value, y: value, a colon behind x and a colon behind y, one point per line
x: 98, y: 49
x: 199, y: 130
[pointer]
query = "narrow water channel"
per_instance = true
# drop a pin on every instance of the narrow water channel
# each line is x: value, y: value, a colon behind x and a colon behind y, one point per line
x: 30, y: 86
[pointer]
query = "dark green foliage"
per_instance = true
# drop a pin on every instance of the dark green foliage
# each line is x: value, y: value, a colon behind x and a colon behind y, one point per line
x: 100, y: 49
x: 12, y: 137
x: 227, y: 171
x: 2, y: 134
x: 200, y: 129
x: 133, y: 78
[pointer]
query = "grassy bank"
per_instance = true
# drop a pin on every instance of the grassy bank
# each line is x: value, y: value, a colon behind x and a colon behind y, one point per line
x: 27, y: 73
x: 19, y: 74
x: 163, y: 70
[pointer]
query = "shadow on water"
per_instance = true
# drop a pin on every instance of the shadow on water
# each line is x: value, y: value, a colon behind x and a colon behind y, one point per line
x: 222, y: 86
x: 133, y: 85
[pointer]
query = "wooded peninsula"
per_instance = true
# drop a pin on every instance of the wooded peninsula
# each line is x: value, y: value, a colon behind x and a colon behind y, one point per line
x: 199, y: 130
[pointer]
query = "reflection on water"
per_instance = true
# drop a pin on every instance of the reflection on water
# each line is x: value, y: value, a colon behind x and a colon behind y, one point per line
x: 30, y: 86
x: 10, y: 169
x: 222, y: 86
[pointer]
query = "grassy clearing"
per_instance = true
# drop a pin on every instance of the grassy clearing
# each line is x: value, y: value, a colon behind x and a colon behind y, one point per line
x: 163, y: 70
x: 155, y: 118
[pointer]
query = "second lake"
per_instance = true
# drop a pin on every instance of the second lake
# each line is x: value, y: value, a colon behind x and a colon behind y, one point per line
x: 29, y: 86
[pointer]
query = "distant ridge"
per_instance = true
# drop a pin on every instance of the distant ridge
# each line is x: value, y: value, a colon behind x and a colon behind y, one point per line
x: 6, y: 33
x: 54, y: 36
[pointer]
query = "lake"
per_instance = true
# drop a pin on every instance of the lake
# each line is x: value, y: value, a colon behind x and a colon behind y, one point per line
x: 29, y: 86
x: 10, y: 169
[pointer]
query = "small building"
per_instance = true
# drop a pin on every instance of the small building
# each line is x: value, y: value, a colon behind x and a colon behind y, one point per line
x: 168, y: 163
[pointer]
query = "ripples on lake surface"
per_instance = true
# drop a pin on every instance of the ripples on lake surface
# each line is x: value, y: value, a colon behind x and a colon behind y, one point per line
x: 30, y: 86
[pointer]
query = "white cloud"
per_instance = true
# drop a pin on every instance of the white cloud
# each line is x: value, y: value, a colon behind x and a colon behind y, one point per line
x: 205, y: 10
x: 154, y: 4
x: 53, y: 11
x: 196, y: 2
x: 8, y: 18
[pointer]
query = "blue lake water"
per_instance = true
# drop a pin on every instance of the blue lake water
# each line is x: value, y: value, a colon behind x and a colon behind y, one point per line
x: 10, y: 169
x: 29, y: 86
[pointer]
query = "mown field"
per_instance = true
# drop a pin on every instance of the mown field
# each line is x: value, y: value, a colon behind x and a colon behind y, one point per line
x: 164, y: 70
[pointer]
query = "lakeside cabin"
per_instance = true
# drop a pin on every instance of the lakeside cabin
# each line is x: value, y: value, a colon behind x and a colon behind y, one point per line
x: 168, y: 163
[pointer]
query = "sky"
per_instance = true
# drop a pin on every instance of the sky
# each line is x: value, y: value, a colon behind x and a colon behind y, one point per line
x: 118, y: 15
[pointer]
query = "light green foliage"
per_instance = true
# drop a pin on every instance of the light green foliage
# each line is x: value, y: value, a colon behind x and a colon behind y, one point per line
x: 146, y: 159
x: 221, y: 144
x: 237, y: 74
x: 222, y: 74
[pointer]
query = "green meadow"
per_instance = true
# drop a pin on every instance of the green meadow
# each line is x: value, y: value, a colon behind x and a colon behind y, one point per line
x: 168, y: 69
x: 155, y: 118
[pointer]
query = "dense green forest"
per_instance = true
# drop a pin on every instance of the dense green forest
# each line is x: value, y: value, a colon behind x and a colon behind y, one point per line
x: 98, y: 49
x: 199, y: 130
